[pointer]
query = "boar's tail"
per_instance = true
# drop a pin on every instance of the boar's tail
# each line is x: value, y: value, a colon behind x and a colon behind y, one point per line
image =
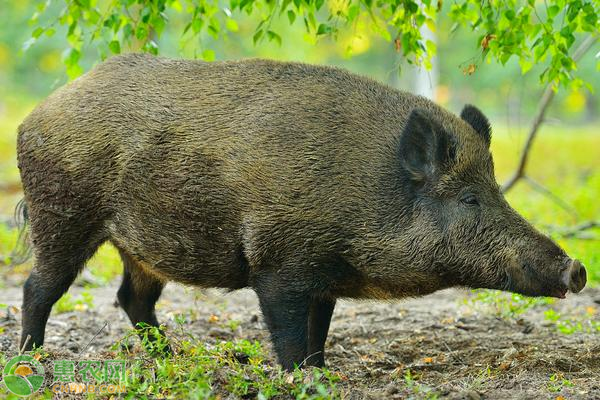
x: 22, y: 250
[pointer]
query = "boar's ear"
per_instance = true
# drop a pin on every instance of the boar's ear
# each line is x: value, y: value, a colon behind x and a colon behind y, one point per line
x: 474, y: 117
x: 425, y: 147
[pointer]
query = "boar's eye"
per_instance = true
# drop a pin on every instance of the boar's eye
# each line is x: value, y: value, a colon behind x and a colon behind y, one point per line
x: 470, y: 199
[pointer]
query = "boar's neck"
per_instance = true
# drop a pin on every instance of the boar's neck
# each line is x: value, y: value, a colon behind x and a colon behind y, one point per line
x: 397, y: 262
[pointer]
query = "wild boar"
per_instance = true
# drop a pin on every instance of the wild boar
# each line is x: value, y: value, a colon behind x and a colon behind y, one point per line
x: 305, y: 183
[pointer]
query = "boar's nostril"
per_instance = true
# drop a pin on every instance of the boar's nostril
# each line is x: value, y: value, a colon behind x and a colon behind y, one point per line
x: 577, y: 276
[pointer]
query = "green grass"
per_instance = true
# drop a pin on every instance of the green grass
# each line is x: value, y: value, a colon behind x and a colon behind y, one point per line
x: 557, y: 382
x: 569, y: 324
x: 200, y: 370
x: 8, y: 240
x: 68, y: 303
x: 511, y: 306
x: 505, y: 305
x: 106, y: 263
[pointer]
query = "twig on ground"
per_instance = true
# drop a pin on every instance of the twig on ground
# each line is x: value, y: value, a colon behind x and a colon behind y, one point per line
x: 22, y: 349
x: 452, y: 352
x: 307, y: 357
x: 94, y: 337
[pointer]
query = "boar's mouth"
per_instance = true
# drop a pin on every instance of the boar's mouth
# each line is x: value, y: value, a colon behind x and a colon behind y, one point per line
x: 560, y: 293
x: 535, y: 284
x: 557, y: 291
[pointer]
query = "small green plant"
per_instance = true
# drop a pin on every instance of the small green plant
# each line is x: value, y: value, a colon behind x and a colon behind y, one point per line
x: 39, y: 353
x: 573, y: 324
x: 503, y: 304
x: 418, y: 389
x: 152, y: 339
x: 233, y: 324
x: 413, y: 388
x: 195, y: 369
x: 106, y: 264
x: 180, y: 320
x: 67, y: 303
x: 3, y: 306
x: 551, y: 315
x: 8, y: 241
x: 557, y: 382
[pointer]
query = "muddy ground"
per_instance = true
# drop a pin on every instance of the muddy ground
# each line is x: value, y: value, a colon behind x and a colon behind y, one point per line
x: 453, y: 348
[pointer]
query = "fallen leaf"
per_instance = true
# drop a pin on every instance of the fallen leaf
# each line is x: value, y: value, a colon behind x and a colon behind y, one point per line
x: 428, y: 360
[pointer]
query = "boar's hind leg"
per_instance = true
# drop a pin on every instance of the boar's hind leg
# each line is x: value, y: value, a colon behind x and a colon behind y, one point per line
x: 139, y: 293
x: 285, y: 310
x: 319, y: 318
x: 62, y: 246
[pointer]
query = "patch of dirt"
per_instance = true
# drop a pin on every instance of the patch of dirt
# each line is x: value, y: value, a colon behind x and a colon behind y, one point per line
x: 452, y: 349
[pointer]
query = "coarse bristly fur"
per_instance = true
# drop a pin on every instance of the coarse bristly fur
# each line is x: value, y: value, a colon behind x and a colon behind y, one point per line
x: 306, y: 183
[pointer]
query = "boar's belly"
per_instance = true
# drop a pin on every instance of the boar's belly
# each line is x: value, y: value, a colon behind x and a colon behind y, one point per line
x: 181, y: 221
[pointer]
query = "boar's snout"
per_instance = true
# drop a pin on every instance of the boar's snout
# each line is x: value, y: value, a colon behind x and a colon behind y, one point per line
x: 575, y: 276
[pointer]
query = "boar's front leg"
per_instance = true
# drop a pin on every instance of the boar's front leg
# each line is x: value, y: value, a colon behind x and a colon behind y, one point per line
x: 321, y: 310
x: 284, y: 302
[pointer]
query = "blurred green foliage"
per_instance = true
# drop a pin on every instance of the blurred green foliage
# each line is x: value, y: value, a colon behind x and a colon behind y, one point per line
x: 532, y: 32
x: 198, y: 370
x: 502, y: 91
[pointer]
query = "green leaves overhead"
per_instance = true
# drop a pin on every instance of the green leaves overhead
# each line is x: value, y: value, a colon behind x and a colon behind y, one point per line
x: 533, y: 32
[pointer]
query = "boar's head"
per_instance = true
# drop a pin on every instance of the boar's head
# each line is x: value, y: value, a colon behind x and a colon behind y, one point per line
x: 481, y: 241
